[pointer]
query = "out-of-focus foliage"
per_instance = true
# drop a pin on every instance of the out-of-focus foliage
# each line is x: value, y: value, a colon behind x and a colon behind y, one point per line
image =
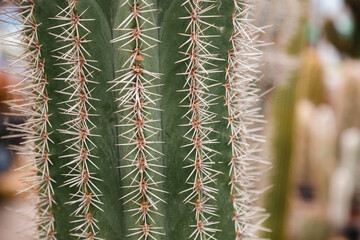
x: 316, y: 99
x: 348, y: 45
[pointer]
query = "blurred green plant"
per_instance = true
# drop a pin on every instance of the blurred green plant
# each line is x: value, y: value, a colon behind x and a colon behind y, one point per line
x: 305, y: 83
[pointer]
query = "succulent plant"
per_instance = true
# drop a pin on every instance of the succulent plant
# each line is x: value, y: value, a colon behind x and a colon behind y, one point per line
x: 277, y: 199
x: 142, y: 117
x: 306, y: 83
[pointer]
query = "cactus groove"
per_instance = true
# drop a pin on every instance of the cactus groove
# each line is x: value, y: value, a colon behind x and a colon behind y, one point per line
x: 148, y: 112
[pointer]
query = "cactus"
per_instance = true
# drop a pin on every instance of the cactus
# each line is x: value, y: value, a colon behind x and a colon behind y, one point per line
x: 141, y: 117
x: 305, y: 83
x: 277, y: 199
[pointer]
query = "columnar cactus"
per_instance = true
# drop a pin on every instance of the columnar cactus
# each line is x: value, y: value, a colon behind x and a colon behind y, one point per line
x: 141, y: 117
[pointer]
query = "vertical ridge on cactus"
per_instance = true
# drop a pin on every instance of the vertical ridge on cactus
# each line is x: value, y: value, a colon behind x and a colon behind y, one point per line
x: 78, y: 72
x: 33, y: 88
x: 136, y: 101
x: 199, y: 80
x: 122, y: 168
x: 241, y: 98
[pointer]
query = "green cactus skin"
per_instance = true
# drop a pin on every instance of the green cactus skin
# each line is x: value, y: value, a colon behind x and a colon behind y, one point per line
x: 138, y: 117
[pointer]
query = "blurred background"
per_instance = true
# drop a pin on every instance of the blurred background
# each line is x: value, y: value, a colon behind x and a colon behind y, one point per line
x: 313, y: 111
x: 314, y: 118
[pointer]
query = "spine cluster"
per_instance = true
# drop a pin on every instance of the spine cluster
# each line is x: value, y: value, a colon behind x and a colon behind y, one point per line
x: 33, y: 105
x: 242, y: 95
x: 199, y: 68
x: 137, y: 104
x: 77, y: 71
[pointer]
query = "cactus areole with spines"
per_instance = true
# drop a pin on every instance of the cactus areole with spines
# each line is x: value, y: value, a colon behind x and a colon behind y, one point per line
x: 142, y: 118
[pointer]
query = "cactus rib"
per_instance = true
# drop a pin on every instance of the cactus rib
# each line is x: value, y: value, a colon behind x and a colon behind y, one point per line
x: 241, y: 98
x: 136, y: 101
x: 198, y: 59
x: 78, y: 73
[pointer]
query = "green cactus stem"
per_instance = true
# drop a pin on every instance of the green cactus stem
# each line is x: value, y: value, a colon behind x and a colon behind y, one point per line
x: 129, y: 106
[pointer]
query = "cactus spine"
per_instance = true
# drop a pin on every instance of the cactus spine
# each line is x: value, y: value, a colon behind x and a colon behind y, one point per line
x: 104, y: 107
